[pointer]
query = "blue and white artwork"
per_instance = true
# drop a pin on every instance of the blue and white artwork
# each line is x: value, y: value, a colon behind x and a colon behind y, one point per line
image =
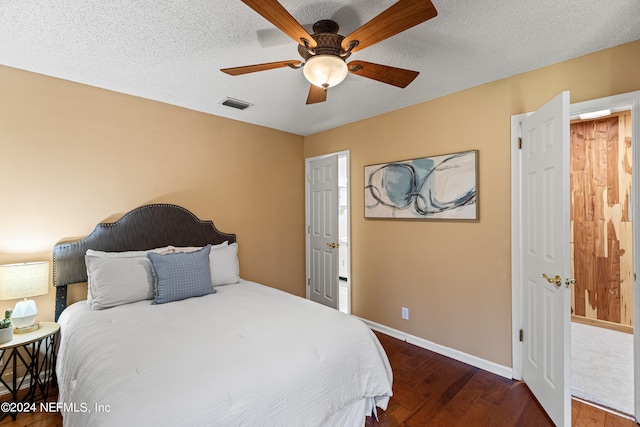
x: 441, y: 187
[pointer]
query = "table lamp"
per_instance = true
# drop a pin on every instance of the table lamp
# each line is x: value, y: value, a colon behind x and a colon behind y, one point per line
x: 23, y: 281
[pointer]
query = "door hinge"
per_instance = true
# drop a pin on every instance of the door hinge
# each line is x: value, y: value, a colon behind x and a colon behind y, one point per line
x: 308, y: 229
x: 309, y: 281
x: 521, y: 335
x: 519, y: 143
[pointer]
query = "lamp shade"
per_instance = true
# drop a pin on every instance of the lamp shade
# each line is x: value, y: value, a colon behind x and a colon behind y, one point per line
x: 24, y: 280
x: 325, y: 70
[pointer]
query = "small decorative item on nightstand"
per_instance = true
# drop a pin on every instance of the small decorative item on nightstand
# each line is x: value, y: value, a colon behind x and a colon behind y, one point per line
x: 6, y: 328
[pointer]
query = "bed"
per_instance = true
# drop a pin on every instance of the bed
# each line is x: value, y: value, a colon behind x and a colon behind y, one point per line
x: 237, y: 354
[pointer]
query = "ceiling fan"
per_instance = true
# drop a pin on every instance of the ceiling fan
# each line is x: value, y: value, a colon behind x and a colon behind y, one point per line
x: 325, y: 51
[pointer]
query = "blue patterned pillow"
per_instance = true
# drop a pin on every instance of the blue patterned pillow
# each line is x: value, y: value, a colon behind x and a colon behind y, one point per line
x: 181, y: 275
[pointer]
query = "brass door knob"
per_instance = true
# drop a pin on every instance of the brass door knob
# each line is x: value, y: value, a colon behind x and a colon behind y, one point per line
x: 556, y: 280
x: 333, y: 245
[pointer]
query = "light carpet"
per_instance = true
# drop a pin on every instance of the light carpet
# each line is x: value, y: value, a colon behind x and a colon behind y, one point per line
x: 602, y: 366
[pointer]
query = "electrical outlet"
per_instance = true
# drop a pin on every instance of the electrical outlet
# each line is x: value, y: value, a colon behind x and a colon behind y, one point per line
x: 405, y: 313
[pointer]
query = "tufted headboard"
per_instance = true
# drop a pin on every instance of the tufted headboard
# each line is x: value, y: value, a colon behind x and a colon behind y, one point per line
x: 147, y: 227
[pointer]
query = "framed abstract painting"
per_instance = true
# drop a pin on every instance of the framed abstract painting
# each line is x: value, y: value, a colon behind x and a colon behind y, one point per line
x: 437, y: 187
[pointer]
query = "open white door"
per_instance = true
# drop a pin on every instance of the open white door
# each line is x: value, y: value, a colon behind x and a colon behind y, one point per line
x: 545, y: 253
x: 323, y: 231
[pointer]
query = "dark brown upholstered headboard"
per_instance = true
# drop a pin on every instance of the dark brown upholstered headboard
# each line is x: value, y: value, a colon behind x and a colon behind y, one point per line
x: 147, y: 227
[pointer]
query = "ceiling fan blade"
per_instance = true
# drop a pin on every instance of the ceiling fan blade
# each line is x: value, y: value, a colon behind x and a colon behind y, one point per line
x: 403, y: 15
x: 236, y: 71
x: 275, y: 13
x: 316, y: 94
x: 383, y: 73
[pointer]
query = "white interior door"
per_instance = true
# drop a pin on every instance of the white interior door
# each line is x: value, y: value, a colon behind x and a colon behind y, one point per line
x: 323, y: 231
x: 545, y: 237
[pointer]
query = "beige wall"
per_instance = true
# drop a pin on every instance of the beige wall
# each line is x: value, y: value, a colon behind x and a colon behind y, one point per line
x: 455, y: 277
x: 73, y: 155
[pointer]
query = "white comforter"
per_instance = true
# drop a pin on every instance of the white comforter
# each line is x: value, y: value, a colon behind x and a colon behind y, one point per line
x: 248, y: 355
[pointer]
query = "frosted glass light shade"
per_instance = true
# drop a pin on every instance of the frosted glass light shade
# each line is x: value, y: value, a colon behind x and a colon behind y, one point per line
x: 325, y: 70
x: 24, y: 280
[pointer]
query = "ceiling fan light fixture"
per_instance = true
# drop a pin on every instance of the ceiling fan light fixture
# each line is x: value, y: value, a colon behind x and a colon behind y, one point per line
x: 325, y: 70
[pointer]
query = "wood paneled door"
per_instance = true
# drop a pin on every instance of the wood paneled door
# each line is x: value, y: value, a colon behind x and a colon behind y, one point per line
x: 601, y: 242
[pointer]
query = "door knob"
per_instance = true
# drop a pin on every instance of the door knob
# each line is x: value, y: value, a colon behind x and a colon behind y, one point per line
x: 333, y: 245
x: 556, y: 280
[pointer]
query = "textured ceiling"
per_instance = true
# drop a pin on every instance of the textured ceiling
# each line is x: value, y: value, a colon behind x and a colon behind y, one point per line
x: 171, y: 50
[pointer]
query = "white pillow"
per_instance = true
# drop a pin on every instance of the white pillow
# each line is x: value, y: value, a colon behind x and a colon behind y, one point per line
x: 117, y: 278
x: 225, y: 268
x: 183, y: 249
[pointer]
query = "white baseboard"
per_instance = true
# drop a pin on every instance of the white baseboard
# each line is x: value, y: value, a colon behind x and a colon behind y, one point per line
x: 25, y: 384
x: 494, y: 368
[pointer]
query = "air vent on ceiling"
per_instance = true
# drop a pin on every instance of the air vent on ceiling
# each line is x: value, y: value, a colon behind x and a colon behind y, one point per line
x: 236, y: 103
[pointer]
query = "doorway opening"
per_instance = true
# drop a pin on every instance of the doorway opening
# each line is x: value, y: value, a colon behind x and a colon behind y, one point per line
x: 328, y: 251
x: 616, y: 104
x: 602, y: 302
x: 344, y: 279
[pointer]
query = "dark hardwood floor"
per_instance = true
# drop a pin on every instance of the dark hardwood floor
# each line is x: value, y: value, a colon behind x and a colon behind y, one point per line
x: 434, y: 390
x: 36, y: 419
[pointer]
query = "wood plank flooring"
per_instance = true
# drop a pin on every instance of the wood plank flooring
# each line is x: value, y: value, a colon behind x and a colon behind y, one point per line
x: 434, y: 390
x: 37, y: 419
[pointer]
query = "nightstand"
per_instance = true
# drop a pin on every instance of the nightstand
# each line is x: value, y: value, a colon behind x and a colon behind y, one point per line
x: 37, y: 352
